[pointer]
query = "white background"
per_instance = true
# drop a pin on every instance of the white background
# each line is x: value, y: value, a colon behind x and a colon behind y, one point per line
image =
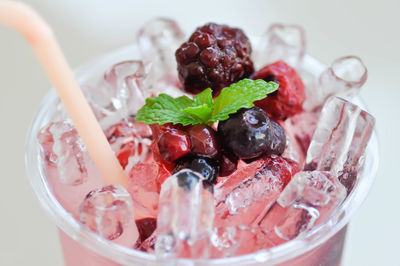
x: 86, y: 29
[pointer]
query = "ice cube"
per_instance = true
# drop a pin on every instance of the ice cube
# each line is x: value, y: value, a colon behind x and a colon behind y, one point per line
x: 248, y: 193
x: 340, y: 139
x: 68, y: 153
x: 344, y: 78
x: 308, y: 200
x: 281, y: 42
x: 125, y: 81
x: 235, y: 240
x: 108, y: 211
x: 144, y: 185
x: 185, y: 218
x: 299, y: 130
x: 119, y: 94
x: 130, y: 141
x: 158, y: 40
x: 69, y: 169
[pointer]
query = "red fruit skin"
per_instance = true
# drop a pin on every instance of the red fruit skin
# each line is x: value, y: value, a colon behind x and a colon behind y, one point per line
x: 146, y: 227
x: 174, y: 144
x: 289, y: 98
x: 228, y: 164
x: 204, y: 140
x: 157, y: 130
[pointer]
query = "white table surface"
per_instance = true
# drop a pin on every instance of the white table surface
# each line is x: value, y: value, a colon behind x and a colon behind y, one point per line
x: 86, y: 29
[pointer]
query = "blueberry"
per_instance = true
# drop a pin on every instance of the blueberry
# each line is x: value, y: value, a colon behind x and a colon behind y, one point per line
x: 276, y: 141
x: 187, y: 180
x: 245, y: 133
x: 207, y: 167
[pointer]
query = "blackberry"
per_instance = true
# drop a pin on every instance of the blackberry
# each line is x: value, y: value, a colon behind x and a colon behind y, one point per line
x: 215, y: 56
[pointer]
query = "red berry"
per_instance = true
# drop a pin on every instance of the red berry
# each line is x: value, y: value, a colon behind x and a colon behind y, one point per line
x: 174, y: 144
x: 204, y: 140
x: 289, y: 98
x: 146, y: 227
x: 157, y: 131
x: 228, y: 164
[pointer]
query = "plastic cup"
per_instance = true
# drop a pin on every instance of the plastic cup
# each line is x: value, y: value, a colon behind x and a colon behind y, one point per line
x: 323, y: 245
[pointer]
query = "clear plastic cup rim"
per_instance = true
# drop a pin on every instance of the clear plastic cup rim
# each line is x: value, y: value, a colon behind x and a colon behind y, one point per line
x: 128, y: 256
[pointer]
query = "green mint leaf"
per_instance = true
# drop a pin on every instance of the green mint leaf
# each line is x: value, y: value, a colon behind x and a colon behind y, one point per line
x: 239, y: 95
x: 202, y: 113
x: 203, y: 109
x: 204, y: 97
x: 202, y: 106
x: 166, y: 109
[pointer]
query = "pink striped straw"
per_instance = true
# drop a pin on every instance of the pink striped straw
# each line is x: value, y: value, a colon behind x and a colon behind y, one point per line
x: 37, y: 32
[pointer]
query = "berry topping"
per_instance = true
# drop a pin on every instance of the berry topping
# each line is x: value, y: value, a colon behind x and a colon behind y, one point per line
x: 187, y: 180
x: 277, y: 139
x: 146, y: 227
x: 204, y: 141
x: 289, y: 98
x: 245, y: 133
x: 228, y: 164
x: 207, y: 167
x: 214, y: 57
x: 174, y: 144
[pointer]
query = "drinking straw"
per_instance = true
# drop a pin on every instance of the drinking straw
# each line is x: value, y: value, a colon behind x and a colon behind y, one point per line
x: 37, y: 32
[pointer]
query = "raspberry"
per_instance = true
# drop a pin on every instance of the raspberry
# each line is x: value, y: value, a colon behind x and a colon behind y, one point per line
x: 214, y: 57
x: 289, y: 98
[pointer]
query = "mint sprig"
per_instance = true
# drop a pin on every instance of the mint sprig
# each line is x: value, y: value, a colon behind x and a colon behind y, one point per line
x: 202, y: 109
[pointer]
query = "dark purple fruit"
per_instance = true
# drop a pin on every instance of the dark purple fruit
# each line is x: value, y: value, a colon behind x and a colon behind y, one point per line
x: 276, y: 142
x: 228, y: 164
x: 207, y: 167
x: 187, y: 180
x: 245, y: 133
x: 146, y: 227
x: 215, y: 56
